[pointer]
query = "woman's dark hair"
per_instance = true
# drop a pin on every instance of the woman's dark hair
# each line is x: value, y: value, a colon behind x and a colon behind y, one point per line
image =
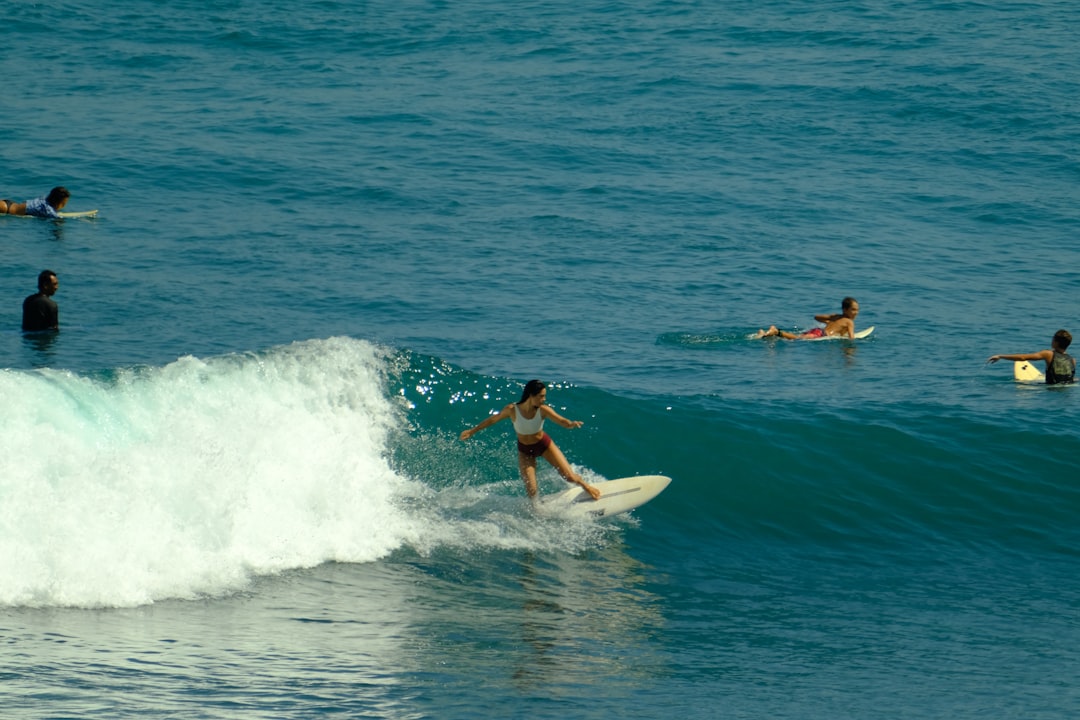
x: 532, y: 388
x: 56, y: 195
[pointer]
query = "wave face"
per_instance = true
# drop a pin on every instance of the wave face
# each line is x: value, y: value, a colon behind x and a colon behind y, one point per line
x: 188, y: 480
x: 896, y: 479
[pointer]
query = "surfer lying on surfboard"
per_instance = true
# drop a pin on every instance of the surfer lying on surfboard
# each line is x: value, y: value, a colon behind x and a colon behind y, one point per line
x: 528, y: 417
x: 836, y: 325
x: 48, y: 206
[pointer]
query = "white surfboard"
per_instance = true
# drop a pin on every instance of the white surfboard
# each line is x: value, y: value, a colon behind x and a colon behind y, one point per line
x: 79, y: 214
x: 1024, y: 371
x: 616, y: 496
x: 859, y: 335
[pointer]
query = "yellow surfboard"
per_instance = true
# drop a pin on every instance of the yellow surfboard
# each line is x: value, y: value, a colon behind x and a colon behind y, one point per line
x: 1023, y: 371
x: 80, y: 214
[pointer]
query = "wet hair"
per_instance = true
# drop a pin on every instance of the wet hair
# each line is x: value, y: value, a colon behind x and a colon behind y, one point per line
x: 1062, y: 339
x: 45, y: 274
x: 56, y: 196
x: 847, y: 303
x: 532, y: 389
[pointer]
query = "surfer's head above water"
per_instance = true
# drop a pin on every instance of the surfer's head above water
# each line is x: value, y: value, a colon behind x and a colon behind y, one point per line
x: 57, y: 197
x: 1061, y: 340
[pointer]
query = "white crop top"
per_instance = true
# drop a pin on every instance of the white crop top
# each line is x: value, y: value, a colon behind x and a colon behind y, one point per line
x: 526, y: 426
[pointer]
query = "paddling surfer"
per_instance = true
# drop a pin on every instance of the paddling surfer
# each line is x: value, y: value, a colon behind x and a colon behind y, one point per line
x: 528, y: 417
x: 840, y: 324
x: 47, y: 206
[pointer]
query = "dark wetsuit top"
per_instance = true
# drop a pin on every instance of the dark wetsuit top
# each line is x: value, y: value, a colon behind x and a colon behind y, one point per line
x: 40, y: 312
x: 1062, y: 369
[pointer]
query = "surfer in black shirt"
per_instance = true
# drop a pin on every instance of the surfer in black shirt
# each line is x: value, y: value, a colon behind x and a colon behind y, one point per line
x: 40, y: 311
x: 1060, y: 366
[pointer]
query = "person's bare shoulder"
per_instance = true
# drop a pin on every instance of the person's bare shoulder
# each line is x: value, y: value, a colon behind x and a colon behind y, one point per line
x: 841, y: 326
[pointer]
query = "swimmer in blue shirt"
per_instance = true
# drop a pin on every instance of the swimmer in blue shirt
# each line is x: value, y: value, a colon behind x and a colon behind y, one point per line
x: 48, y: 206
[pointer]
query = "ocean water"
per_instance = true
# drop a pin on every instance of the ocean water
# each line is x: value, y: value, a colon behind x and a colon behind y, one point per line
x: 333, y: 235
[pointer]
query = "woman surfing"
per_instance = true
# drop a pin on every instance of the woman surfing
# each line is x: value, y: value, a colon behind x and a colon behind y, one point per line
x: 528, y: 417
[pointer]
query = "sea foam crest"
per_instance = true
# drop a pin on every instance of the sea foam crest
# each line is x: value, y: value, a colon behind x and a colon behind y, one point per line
x: 188, y: 479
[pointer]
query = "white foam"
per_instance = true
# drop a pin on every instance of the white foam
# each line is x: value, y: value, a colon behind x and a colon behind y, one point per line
x: 187, y: 480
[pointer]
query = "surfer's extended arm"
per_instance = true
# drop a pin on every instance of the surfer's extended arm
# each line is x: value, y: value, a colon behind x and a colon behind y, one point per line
x: 486, y: 422
x: 556, y: 417
x: 1044, y: 355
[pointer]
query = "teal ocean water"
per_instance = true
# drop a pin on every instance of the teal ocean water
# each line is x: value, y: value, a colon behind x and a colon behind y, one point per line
x: 333, y: 235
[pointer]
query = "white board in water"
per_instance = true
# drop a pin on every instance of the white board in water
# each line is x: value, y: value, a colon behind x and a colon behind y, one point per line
x: 64, y: 214
x: 859, y: 335
x: 616, y: 496
x: 1024, y: 371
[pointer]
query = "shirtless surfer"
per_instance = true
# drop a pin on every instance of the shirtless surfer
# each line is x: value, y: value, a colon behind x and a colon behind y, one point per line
x: 840, y: 324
